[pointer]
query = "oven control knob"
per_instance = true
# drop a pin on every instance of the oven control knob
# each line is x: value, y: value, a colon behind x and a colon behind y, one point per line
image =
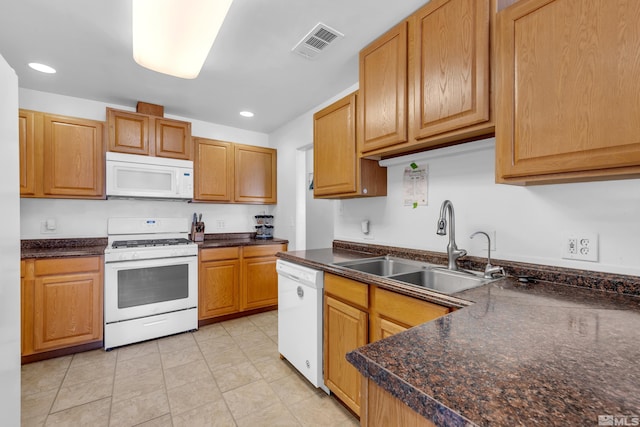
x: 135, y: 255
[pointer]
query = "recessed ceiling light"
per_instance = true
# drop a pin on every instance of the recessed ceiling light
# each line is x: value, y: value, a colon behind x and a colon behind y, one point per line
x: 246, y: 113
x: 42, y: 68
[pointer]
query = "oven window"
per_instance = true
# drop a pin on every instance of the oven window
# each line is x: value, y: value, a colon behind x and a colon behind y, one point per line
x: 142, y: 286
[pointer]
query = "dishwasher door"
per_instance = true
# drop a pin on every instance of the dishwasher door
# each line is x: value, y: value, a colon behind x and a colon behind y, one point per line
x: 300, y: 292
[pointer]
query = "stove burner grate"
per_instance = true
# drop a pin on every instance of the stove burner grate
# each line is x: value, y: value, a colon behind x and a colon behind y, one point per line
x: 148, y: 243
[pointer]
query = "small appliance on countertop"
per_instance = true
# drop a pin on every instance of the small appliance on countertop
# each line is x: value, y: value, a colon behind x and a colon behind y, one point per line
x: 264, y: 226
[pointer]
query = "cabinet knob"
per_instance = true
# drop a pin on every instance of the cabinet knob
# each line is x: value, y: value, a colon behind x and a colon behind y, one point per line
x: 300, y: 291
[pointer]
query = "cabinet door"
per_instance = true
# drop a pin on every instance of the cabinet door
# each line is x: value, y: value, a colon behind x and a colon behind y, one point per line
x: 382, y: 98
x: 449, y: 67
x: 67, y: 309
x: 386, y: 328
x: 255, y: 174
x: 172, y: 139
x: 128, y: 132
x: 259, y: 282
x: 73, y: 157
x: 345, y: 329
x: 568, y: 84
x: 335, y: 159
x: 213, y: 168
x: 26, y: 128
x: 219, y: 291
x: 393, y: 313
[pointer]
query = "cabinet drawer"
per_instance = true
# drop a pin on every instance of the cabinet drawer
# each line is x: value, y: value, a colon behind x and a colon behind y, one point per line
x: 215, y: 254
x: 404, y: 309
x: 263, y: 250
x: 51, y: 266
x: 347, y: 290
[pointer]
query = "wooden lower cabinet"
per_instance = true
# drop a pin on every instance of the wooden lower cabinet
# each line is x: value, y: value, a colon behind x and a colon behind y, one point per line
x: 237, y: 279
x: 380, y: 408
x: 219, y: 276
x: 62, y: 303
x: 356, y: 314
x: 259, y: 278
x: 345, y: 329
x: 392, y: 313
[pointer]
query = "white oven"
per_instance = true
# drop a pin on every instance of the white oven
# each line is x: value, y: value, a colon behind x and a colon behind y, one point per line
x: 150, y: 280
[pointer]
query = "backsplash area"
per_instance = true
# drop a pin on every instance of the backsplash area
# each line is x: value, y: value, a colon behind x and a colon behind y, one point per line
x: 529, y: 222
x: 88, y: 218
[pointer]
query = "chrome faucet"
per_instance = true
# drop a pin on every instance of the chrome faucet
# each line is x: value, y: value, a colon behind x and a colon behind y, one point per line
x: 453, y: 253
x: 489, y: 269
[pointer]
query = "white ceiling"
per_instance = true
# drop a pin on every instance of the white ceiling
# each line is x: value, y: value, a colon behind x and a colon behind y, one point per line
x: 250, y: 67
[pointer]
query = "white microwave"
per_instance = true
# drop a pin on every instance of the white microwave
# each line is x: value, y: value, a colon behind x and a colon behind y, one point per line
x: 146, y: 177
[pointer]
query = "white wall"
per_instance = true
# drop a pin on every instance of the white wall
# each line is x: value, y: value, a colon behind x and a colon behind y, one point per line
x: 9, y: 249
x: 529, y: 221
x: 288, y: 139
x: 88, y: 218
x: 319, y: 214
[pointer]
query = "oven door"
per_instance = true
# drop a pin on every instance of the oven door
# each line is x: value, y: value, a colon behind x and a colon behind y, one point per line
x: 135, y: 289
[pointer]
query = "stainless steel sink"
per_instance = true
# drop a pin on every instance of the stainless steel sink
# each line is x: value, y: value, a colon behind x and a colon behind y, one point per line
x: 417, y: 273
x: 383, y: 266
x: 443, y: 280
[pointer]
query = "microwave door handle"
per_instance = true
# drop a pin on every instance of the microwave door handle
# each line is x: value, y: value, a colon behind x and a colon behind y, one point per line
x: 177, y: 183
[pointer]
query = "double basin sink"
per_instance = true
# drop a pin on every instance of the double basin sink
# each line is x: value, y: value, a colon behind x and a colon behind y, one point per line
x: 424, y: 275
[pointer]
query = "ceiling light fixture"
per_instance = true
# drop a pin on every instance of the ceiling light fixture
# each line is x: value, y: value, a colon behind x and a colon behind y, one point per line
x: 175, y: 36
x: 246, y: 114
x: 42, y: 68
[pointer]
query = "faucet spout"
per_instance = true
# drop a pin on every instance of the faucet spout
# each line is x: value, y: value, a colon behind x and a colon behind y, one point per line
x: 453, y: 253
x: 489, y: 270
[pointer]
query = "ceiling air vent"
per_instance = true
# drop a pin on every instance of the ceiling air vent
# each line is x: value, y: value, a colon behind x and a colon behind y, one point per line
x: 316, y: 40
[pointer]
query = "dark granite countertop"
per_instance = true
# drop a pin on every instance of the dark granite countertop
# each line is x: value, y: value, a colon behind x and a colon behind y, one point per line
x: 221, y: 240
x: 518, y: 354
x: 62, y: 248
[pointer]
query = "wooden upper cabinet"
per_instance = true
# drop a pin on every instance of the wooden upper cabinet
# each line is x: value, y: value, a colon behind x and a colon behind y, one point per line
x: 338, y: 172
x: 128, y: 132
x: 568, y: 103
x: 255, y: 174
x: 147, y: 135
x: 426, y: 83
x: 382, y: 99
x: 60, y: 157
x: 73, y: 154
x: 173, y: 139
x: 449, y: 77
x: 213, y: 169
x: 26, y: 127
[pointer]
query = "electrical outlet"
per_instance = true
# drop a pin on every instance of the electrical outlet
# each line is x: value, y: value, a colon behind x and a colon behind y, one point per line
x: 580, y: 246
x: 220, y: 224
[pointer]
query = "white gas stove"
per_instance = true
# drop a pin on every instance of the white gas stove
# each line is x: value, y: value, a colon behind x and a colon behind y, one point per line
x: 151, y: 280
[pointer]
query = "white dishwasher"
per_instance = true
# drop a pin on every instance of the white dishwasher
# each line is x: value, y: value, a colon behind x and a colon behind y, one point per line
x: 300, y: 292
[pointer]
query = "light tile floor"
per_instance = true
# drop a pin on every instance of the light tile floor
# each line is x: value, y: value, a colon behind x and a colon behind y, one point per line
x: 225, y: 374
